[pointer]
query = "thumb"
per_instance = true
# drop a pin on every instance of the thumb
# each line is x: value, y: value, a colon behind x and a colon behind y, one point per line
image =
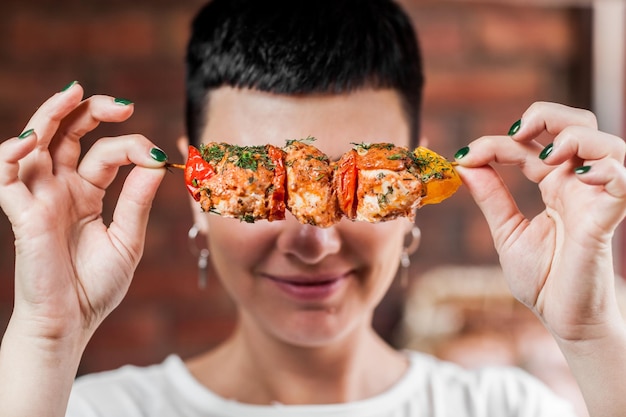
x: 130, y: 218
x: 494, y: 200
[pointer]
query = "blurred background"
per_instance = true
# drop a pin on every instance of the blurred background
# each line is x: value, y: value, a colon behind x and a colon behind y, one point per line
x: 485, y: 63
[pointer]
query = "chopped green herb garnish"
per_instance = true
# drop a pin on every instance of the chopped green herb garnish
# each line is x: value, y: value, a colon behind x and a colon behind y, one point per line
x: 307, y: 141
x: 249, y: 157
x: 383, y: 198
x: 322, y: 158
x: 212, y: 153
x: 248, y: 218
x: 362, y: 146
x: 246, y: 160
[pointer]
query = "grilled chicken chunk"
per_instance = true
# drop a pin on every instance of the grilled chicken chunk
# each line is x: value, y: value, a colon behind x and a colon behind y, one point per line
x: 243, y: 182
x: 311, y: 197
x: 378, y: 182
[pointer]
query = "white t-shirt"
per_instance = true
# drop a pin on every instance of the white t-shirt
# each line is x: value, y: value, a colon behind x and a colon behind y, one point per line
x: 429, y: 388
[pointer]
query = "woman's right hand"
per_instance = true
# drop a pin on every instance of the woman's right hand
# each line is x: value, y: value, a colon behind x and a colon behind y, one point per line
x: 72, y: 269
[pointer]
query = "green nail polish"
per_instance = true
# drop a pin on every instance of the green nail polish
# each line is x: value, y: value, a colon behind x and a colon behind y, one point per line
x: 515, y: 128
x: 67, y: 87
x: 26, y: 133
x: 158, y: 155
x: 461, y: 152
x: 122, y: 101
x: 546, y: 151
x: 582, y: 169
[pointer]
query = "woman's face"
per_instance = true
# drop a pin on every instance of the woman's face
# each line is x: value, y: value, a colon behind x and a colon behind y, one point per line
x: 301, y: 284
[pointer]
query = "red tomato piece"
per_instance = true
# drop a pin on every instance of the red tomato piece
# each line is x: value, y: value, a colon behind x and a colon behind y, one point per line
x: 277, y: 199
x: 346, y: 177
x: 197, y: 170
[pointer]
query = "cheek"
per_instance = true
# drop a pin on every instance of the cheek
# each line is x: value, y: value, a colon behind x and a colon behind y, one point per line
x: 379, y: 239
x: 236, y: 247
x: 379, y: 247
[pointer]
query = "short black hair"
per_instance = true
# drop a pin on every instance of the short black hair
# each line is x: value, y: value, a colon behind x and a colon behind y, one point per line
x: 295, y: 47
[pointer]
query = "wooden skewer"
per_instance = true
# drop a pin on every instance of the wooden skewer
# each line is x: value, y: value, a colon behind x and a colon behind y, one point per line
x: 179, y: 166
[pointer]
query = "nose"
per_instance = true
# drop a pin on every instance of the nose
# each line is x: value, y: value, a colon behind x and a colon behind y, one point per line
x: 308, y: 244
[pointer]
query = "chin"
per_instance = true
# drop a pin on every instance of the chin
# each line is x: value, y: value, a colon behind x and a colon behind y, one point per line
x: 316, y: 329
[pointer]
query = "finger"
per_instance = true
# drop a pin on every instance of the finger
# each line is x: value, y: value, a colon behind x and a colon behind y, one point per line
x: 494, y: 200
x: 65, y: 146
x: 608, y: 174
x: 505, y: 151
x: 584, y: 143
x: 552, y: 118
x: 45, y: 121
x: 14, y: 195
x: 604, y: 199
x: 130, y: 217
x: 101, y: 163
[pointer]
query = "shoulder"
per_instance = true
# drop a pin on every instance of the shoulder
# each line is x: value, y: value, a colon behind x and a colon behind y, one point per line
x: 130, y: 390
x: 129, y: 375
x: 495, y: 390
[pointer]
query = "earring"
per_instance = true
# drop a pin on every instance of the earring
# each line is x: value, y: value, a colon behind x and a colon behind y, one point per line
x: 202, y: 254
x: 405, y: 256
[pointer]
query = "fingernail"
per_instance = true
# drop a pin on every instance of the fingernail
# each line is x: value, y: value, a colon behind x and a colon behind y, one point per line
x: 158, y: 155
x: 26, y: 133
x: 515, y: 128
x: 67, y: 87
x: 461, y: 152
x: 122, y: 101
x: 546, y: 151
x: 582, y: 169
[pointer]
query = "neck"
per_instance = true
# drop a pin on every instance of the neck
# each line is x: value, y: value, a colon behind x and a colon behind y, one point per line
x: 257, y: 368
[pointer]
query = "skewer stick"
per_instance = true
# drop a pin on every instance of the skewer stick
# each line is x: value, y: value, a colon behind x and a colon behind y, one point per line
x: 179, y: 166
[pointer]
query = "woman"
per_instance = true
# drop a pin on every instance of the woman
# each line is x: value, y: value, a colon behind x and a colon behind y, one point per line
x: 261, y: 73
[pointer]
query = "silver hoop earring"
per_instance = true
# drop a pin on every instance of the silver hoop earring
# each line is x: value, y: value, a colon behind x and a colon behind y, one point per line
x: 405, y: 256
x: 202, y: 254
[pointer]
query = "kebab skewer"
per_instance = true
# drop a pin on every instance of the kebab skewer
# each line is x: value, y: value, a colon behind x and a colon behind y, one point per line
x: 371, y: 182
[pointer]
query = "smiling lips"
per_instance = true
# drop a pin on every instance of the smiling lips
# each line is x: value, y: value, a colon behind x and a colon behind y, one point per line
x: 309, y: 288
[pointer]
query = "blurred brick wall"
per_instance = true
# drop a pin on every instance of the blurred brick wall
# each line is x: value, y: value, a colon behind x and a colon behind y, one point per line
x: 484, y: 65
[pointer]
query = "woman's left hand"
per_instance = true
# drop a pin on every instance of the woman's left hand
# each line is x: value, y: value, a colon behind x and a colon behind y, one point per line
x: 560, y: 262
